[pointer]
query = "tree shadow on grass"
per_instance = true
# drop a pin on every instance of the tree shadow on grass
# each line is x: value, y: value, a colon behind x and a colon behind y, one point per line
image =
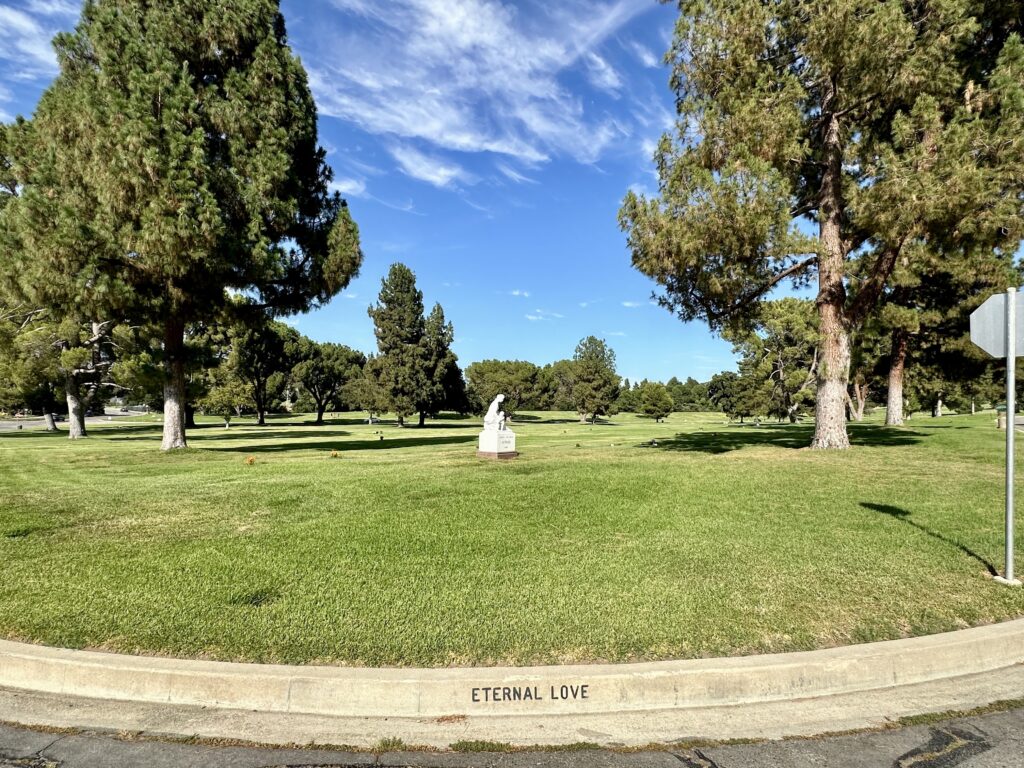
x: 781, y: 436
x: 903, y: 515
x: 267, y: 434
x: 344, y: 446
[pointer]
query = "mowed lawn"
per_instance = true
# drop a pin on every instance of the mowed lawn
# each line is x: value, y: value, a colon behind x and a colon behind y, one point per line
x: 408, y: 550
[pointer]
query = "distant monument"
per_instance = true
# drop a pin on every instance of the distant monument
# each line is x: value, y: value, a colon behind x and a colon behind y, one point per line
x: 496, y: 442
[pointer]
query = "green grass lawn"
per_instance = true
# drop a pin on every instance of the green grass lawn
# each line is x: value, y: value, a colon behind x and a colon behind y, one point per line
x: 408, y: 550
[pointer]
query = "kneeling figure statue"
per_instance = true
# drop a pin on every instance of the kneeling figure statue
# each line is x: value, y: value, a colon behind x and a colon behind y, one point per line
x: 496, y: 441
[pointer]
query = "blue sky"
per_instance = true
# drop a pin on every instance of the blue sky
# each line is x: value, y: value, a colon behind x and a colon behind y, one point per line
x: 487, y: 144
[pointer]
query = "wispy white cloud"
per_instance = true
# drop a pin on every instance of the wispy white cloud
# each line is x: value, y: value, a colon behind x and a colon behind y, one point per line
x: 26, y: 34
x: 478, y: 207
x: 642, y: 189
x: 615, y: 333
x: 543, y: 314
x: 473, y: 75
x: 25, y: 42
x: 431, y: 169
x: 644, y: 55
x: 632, y: 304
x: 54, y: 7
x: 514, y: 175
x: 517, y: 292
x: 602, y: 74
x: 357, y: 188
x: 349, y: 187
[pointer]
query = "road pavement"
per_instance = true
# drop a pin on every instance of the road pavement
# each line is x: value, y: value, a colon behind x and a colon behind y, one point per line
x: 36, y: 423
x: 994, y: 740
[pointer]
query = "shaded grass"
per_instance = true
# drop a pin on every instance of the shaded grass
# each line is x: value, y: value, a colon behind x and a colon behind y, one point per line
x: 411, y: 551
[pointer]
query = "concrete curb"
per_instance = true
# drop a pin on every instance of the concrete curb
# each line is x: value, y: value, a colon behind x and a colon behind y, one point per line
x: 884, y: 676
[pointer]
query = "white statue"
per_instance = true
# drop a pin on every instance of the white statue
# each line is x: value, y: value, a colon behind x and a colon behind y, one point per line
x: 496, y: 441
x: 494, y: 421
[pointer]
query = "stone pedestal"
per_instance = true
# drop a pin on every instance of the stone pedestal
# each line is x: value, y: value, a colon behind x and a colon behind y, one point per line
x: 497, y: 444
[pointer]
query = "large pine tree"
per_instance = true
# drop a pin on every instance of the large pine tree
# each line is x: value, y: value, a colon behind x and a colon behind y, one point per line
x: 445, y: 387
x: 401, y: 365
x: 867, y: 119
x: 175, y: 158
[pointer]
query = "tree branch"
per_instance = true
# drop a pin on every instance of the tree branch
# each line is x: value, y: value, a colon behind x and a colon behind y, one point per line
x: 744, y: 300
x: 871, y: 288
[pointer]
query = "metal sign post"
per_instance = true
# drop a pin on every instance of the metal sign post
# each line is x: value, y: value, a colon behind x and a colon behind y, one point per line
x: 1011, y: 426
x: 996, y: 327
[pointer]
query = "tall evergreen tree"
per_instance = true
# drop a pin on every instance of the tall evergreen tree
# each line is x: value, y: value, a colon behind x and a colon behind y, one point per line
x: 401, y: 363
x: 595, y: 382
x: 175, y: 157
x: 445, y: 388
x: 869, y: 118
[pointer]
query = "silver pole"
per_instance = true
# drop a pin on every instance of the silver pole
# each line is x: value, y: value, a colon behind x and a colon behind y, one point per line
x: 1011, y: 421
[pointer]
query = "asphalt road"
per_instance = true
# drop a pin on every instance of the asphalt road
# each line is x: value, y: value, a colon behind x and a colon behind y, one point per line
x: 987, y: 741
x: 36, y: 422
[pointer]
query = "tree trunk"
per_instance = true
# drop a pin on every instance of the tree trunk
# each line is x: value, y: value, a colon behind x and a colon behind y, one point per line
x: 401, y: 420
x: 51, y: 425
x: 320, y: 408
x: 423, y: 418
x: 190, y: 416
x: 76, y: 409
x: 259, y: 397
x: 174, y: 385
x: 861, y: 391
x: 834, y: 346
x: 937, y: 411
x: 897, y: 365
x: 859, y: 399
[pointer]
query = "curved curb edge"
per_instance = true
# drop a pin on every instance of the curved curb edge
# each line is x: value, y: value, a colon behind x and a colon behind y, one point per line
x: 740, y: 697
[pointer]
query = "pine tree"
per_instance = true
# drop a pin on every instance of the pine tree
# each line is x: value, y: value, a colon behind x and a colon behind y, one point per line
x: 174, y: 158
x: 595, y: 383
x: 401, y: 362
x: 655, y: 400
x: 445, y: 388
x: 781, y: 349
x: 869, y: 118
x: 926, y: 311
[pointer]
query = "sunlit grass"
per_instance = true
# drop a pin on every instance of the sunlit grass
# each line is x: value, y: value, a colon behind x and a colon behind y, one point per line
x: 369, y: 544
